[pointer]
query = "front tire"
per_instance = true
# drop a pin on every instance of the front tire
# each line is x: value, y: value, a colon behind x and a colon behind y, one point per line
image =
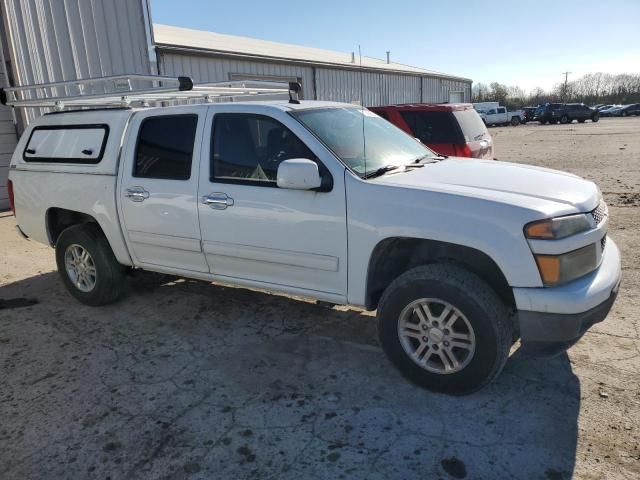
x: 87, y: 266
x: 444, y: 328
x: 564, y: 119
x: 595, y: 118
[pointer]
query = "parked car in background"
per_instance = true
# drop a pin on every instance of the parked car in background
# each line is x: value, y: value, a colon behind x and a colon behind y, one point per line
x: 453, y: 129
x: 529, y: 113
x: 600, y: 108
x: 625, y: 110
x: 500, y: 116
x: 609, y: 112
x: 566, y: 113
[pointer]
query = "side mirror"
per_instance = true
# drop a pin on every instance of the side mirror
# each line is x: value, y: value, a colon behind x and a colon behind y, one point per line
x: 298, y: 174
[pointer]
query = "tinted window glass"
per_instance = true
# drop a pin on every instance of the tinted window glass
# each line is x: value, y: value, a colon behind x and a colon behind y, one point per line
x: 433, y: 127
x: 382, y: 114
x: 165, y: 147
x: 472, y: 126
x: 249, y: 148
x: 502, y: 110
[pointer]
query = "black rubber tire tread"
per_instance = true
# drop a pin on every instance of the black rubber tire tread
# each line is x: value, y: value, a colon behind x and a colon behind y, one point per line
x: 595, y: 118
x: 110, y: 275
x: 480, y: 304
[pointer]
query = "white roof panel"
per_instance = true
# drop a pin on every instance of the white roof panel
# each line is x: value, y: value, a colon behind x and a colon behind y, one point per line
x: 185, y: 38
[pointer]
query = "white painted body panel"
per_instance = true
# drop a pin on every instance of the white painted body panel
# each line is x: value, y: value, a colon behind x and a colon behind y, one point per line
x: 317, y: 244
x: 291, y: 238
x: 163, y: 230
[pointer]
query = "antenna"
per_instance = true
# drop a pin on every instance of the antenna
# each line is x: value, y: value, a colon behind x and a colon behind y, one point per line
x: 364, y: 138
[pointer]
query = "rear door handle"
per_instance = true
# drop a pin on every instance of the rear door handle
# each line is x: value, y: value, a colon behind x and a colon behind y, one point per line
x: 137, y: 194
x: 218, y: 201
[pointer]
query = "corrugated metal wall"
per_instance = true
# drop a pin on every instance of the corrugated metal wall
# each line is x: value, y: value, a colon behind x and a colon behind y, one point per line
x: 337, y: 84
x: 205, y: 68
x: 52, y: 41
x: 8, y: 135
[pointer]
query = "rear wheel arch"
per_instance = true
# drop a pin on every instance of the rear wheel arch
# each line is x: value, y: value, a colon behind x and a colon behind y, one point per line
x: 57, y: 220
x: 394, y: 256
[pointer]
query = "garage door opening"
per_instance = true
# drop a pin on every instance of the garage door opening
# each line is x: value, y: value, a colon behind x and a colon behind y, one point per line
x: 456, y: 97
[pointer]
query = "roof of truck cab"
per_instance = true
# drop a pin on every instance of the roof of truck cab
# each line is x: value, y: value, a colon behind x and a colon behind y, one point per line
x: 283, y: 105
x: 427, y: 107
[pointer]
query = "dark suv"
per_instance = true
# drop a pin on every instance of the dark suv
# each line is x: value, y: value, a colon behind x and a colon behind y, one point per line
x: 566, y: 113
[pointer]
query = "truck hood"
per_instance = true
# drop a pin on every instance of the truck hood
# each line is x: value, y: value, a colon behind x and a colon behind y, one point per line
x: 532, y: 187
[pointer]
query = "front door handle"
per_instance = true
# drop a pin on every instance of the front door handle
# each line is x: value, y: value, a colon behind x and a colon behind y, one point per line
x: 137, y: 194
x: 218, y: 201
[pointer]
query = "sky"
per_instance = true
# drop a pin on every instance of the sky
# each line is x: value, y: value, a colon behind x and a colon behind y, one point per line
x: 525, y: 43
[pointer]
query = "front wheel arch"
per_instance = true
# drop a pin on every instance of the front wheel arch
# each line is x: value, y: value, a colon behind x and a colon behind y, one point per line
x: 394, y: 256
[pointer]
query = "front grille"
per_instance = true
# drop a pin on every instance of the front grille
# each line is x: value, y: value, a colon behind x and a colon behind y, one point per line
x: 600, y: 212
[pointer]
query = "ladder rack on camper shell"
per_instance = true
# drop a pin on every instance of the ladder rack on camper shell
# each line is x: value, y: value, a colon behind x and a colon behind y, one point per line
x: 140, y: 91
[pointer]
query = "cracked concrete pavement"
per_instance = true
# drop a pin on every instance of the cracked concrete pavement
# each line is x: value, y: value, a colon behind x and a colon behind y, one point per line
x: 185, y: 379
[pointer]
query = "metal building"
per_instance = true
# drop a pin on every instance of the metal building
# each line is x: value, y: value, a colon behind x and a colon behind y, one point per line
x: 43, y: 41
x: 324, y: 74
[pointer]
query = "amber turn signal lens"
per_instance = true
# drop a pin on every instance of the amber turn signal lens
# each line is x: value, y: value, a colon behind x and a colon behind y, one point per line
x: 549, y: 266
x: 542, y: 229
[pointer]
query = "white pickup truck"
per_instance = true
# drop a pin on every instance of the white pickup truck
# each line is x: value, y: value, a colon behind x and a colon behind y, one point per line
x: 500, y: 116
x: 460, y: 257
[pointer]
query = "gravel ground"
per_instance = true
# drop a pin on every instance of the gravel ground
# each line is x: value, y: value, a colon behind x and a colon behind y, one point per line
x: 185, y: 379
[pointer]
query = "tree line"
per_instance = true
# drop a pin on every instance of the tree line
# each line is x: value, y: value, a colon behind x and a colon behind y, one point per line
x: 590, y: 89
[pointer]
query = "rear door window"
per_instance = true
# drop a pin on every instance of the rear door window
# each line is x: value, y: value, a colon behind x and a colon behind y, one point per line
x: 472, y: 126
x: 165, y: 147
x: 433, y: 127
x: 66, y: 144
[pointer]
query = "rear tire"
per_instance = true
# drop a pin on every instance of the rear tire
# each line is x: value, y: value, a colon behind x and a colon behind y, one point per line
x: 429, y: 346
x: 515, y: 121
x: 87, y: 266
x: 582, y: 120
x: 542, y: 122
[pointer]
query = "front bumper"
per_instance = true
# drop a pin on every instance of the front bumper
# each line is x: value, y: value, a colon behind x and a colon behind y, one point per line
x: 553, y: 319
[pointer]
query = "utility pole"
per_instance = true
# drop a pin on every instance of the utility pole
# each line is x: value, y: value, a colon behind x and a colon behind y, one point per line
x: 566, y: 83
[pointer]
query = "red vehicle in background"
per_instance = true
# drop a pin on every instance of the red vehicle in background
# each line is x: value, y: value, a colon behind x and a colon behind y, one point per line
x: 453, y: 129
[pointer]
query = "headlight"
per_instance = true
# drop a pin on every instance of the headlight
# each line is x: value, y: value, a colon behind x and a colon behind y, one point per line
x: 556, y: 228
x: 557, y: 269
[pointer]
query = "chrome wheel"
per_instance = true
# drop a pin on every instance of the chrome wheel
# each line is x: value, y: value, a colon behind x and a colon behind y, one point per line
x: 436, y: 335
x: 80, y: 268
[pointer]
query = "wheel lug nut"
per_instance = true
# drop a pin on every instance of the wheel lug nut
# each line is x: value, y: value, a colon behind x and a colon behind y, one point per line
x: 425, y: 339
x: 435, y: 324
x: 445, y: 331
x: 424, y: 327
x: 435, y: 347
x: 446, y: 344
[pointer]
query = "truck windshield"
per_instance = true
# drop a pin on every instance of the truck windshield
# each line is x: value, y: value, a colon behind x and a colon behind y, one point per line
x: 361, y: 139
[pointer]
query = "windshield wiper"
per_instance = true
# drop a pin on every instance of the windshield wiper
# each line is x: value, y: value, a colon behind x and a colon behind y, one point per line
x: 431, y: 158
x: 380, y: 171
